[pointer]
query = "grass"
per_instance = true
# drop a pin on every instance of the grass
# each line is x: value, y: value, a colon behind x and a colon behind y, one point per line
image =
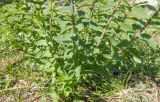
x: 15, y: 75
x: 19, y: 81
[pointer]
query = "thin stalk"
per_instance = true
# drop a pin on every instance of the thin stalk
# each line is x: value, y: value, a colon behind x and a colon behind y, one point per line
x: 132, y: 3
x: 108, y: 22
x: 72, y: 18
x: 146, y: 24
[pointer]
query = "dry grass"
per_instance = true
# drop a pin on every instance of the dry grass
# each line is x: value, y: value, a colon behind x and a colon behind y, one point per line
x: 9, y: 60
x: 142, y: 92
x: 25, y: 91
x: 20, y: 89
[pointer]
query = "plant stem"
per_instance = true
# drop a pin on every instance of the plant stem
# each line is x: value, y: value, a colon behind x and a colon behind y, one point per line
x: 146, y: 24
x: 108, y: 22
x: 72, y: 18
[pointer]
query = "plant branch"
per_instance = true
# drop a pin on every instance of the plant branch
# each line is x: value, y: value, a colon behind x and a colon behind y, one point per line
x: 132, y: 3
x: 72, y: 18
x: 146, y: 24
x: 127, y: 13
x: 108, y: 22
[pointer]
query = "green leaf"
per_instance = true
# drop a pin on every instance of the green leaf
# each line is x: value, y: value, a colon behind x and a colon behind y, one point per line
x: 42, y: 43
x: 152, y: 43
x: 113, y: 41
x: 148, y: 39
x: 62, y: 23
x: 124, y: 43
x: 106, y: 7
x: 47, y: 66
x: 65, y: 29
x: 107, y: 56
x: 85, y: 3
x: 47, y: 54
x: 78, y: 72
x: 139, y: 12
x: 150, y: 7
x: 80, y: 26
x: 96, y: 51
x: 95, y: 27
x: 126, y: 27
x: 68, y: 56
x: 136, y: 59
x: 44, y: 61
x: 113, y: 51
x: 64, y: 10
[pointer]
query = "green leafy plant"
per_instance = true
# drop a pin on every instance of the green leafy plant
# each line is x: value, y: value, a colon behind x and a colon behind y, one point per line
x: 74, y: 39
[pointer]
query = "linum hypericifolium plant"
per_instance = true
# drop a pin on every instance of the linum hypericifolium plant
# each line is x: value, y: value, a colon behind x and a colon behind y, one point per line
x: 70, y: 39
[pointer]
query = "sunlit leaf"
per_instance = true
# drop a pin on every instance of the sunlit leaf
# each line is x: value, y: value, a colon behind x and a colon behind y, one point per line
x: 42, y: 43
x: 78, y: 72
x: 136, y: 59
x: 139, y: 12
x: 113, y: 41
x: 126, y: 27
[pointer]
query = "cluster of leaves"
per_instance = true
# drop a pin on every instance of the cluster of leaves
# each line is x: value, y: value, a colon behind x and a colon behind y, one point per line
x: 71, y: 40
